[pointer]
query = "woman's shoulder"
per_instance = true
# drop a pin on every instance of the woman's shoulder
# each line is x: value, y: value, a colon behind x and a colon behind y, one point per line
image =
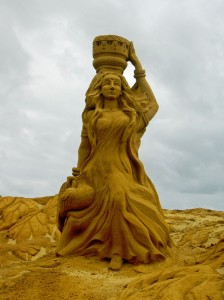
x: 87, y: 115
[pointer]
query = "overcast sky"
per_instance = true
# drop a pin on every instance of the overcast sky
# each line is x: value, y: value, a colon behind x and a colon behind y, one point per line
x: 46, y: 68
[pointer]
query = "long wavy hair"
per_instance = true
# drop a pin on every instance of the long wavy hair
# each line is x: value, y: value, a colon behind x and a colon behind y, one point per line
x: 127, y: 103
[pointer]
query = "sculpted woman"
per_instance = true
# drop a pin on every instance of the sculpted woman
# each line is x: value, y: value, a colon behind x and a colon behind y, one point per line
x: 109, y: 207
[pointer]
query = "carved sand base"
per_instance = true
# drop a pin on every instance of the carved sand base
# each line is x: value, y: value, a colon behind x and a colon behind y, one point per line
x: 30, y: 269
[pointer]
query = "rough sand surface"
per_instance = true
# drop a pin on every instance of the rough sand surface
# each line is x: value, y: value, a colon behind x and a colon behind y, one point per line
x: 30, y: 269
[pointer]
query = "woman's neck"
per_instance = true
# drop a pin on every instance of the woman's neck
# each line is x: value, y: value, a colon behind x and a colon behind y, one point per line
x: 110, y: 104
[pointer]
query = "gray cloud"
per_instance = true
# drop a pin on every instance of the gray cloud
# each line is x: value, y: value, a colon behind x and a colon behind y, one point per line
x: 46, y: 67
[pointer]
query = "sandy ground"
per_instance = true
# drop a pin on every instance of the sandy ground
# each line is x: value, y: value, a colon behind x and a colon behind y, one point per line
x: 30, y: 269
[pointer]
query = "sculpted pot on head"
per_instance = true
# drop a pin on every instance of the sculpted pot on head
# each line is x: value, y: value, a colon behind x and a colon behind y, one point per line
x: 109, y: 207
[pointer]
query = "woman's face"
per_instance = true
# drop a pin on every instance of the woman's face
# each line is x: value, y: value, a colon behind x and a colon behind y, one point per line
x: 111, y: 87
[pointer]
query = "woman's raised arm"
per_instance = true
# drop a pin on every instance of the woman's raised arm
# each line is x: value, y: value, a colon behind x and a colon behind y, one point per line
x: 142, y: 86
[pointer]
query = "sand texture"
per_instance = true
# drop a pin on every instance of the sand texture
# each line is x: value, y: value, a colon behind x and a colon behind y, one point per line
x: 30, y: 269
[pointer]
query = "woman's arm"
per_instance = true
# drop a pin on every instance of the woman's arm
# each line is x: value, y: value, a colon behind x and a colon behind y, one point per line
x: 83, y: 154
x: 84, y: 151
x: 84, y: 148
x: 142, y: 86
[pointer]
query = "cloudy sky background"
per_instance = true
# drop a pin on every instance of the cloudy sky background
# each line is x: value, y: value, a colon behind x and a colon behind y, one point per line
x: 46, y: 67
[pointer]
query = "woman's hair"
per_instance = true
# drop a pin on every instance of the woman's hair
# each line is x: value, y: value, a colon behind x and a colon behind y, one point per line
x: 94, y: 102
x: 126, y: 102
x: 94, y: 99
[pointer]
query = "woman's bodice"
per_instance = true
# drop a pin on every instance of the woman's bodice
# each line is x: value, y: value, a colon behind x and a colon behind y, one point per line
x: 109, y: 131
x: 110, y: 128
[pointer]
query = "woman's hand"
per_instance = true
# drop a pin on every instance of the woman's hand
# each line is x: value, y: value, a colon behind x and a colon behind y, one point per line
x: 133, y: 57
x: 75, y: 171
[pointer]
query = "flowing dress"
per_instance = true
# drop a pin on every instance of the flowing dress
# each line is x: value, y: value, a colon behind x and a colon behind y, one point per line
x: 125, y: 217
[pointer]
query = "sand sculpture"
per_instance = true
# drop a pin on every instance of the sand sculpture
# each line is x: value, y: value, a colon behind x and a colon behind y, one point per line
x: 109, y: 207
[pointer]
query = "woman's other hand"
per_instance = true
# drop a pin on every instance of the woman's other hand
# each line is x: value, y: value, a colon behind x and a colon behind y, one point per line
x: 75, y: 171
